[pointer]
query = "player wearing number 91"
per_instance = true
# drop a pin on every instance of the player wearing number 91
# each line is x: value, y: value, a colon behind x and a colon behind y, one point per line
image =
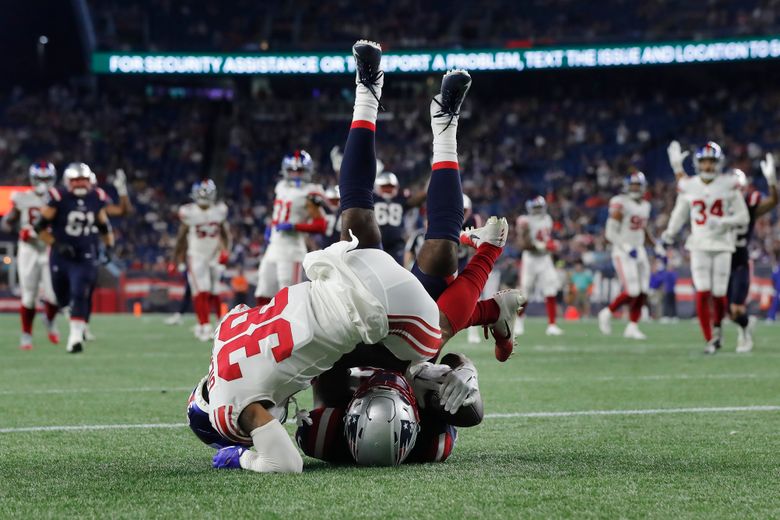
x: 73, y: 222
x: 713, y: 203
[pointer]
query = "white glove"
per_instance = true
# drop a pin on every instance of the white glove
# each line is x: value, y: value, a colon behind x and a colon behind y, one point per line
x: 676, y: 156
x: 120, y: 182
x: 335, y: 158
x: 768, y: 169
x: 667, y: 238
x: 426, y: 376
x: 460, y: 388
x: 660, y: 248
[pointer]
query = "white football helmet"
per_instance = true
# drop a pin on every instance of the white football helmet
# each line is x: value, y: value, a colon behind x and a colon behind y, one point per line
x: 709, y: 152
x: 78, y: 179
x: 382, y: 420
x: 386, y: 185
x: 43, y: 175
x: 298, y: 166
x: 204, y: 193
x: 536, y: 206
x: 635, y: 179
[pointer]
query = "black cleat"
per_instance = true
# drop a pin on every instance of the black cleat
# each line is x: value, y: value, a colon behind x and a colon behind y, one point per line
x: 713, y: 345
x: 368, y: 58
x: 454, y: 87
x: 77, y: 348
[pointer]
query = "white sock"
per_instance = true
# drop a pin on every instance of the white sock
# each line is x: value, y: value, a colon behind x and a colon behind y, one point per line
x: 366, y: 105
x: 445, y: 142
x: 76, y: 331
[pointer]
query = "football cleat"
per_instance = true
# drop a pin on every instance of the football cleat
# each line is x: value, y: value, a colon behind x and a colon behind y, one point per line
x: 605, y: 321
x: 368, y: 70
x: 510, y: 302
x: 174, y: 319
x: 713, y: 345
x: 88, y: 336
x: 54, y: 337
x: 75, y: 348
x: 204, y: 332
x: 632, y: 331
x: 26, y: 342
x: 494, y: 232
x: 553, y: 330
x: 746, y: 340
x: 454, y: 86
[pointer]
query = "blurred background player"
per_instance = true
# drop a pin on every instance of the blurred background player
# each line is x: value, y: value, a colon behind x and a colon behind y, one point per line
x: 537, y: 270
x: 77, y: 218
x: 739, y: 280
x: 713, y: 203
x: 390, y: 207
x: 295, y: 213
x: 330, y: 207
x: 627, y: 231
x: 203, y: 243
x: 32, y: 255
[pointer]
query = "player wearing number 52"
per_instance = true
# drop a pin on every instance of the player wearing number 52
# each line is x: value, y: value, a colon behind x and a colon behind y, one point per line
x: 296, y: 211
x: 203, y: 243
x: 72, y: 223
x: 713, y: 203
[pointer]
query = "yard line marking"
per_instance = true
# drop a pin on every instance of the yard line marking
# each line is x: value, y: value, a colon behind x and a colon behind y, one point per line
x: 649, y: 411
x: 57, y: 391
x: 650, y: 377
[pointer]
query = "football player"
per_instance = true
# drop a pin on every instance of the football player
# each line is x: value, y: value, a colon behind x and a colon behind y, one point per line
x: 739, y: 280
x: 390, y: 207
x: 713, y: 203
x: 32, y: 256
x: 332, y: 217
x: 73, y: 222
x: 626, y: 230
x: 536, y: 268
x: 204, y: 244
x: 263, y: 356
x: 295, y: 213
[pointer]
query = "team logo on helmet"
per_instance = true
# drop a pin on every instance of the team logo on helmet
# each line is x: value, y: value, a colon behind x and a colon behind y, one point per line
x: 43, y: 175
x: 297, y: 166
x: 204, y: 192
x: 198, y: 410
x: 635, y: 179
x: 709, y: 152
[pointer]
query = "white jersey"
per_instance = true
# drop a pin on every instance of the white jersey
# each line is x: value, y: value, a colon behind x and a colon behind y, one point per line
x: 29, y: 204
x: 708, y: 206
x: 270, y: 353
x: 290, y: 200
x: 205, y: 225
x: 539, y: 230
x: 631, y: 230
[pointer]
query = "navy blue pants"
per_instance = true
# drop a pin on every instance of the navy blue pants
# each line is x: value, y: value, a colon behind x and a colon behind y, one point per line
x: 73, y: 281
x: 739, y: 285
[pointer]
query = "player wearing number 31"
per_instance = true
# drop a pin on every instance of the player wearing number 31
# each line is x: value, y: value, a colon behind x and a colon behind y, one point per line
x: 205, y: 238
x: 713, y: 202
x: 71, y: 223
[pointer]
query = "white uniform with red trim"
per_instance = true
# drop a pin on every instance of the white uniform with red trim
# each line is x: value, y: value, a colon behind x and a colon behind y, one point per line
x: 281, y: 264
x: 537, y: 269
x: 710, y: 243
x: 272, y: 352
x: 203, y: 244
x: 633, y: 271
x: 32, y: 256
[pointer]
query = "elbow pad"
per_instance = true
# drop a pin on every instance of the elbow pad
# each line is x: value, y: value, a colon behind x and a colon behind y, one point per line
x: 274, y: 451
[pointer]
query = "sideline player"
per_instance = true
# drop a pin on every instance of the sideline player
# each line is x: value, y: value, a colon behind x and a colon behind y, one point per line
x: 713, y: 203
x: 76, y: 216
x: 204, y: 243
x: 32, y: 255
x: 537, y: 270
x: 356, y: 295
x: 390, y: 207
x: 626, y: 230
x: 295, y: 213
x: 739, y: 281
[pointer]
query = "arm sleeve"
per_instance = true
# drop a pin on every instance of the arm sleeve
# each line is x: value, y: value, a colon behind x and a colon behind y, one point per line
x: 612, y: 231
x: 679, y: 215
x: 317, y: 225
x: 740, y: 215
x: 274, y: 451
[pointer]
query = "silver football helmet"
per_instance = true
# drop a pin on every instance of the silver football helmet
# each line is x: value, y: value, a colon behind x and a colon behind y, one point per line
x: 43, y: 175
x: 536, y: 205
x: 204, y: 192
x: 382, y: 420
x: 635, y: 185
x: 78, y: 179
x: 710, y: 152
x: 298, y: 166
x: 386, y: 185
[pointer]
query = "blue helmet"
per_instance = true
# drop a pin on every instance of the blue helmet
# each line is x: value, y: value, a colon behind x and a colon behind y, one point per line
x: 636, y: 178
x: 536, y: 205
x: 204, y: 192
x: 712, y: 151
x: 43, y: 175
x: 299, y: 162
x: 198, y: 410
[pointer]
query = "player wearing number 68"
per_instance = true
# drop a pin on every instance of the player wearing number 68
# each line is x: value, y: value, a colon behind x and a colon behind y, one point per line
x: 72, y: 223
x: 713, y: 203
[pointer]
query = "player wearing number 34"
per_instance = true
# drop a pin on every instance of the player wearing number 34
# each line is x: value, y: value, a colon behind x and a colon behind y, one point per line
x: 713, y: 202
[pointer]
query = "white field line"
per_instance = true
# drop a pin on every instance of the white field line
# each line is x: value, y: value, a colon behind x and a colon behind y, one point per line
x: 56, y: 391
x: 649, y: 411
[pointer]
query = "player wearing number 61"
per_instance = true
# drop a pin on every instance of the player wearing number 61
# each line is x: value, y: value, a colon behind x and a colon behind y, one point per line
x: 72, y: 223
x: 713, y: 202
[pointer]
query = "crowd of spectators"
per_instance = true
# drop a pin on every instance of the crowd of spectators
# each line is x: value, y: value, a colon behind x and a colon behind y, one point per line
x: 276, y: 25
x: 574, y: 150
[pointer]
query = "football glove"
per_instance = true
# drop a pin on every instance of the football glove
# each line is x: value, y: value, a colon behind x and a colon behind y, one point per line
x: 768, y: 169
x: 676, y: 156
x: 335, y: 158
x: 120, y: 182
x: 228, y: 458
x: 223, y: 257
x: 660, y: 250
x: 285, y: 226
x: 26, y: 234
x: 667, y: 238
x: 460, y: 388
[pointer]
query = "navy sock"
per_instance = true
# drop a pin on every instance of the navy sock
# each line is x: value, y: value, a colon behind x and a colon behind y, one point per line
x: 444, y: 202
x: 741, y: 320
x: 358, y: 167
x: 434, y: 285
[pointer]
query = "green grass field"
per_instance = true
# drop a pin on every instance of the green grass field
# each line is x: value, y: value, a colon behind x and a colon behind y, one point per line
x: 690, y: 442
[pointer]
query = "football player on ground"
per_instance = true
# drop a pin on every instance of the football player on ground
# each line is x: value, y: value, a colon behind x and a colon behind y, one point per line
x: 390, y: 207
x: 295, y: 213
x: 739, y: 281
x: 626, y: 230
x: 32, y: 255
x: 73, y: 222
x: 357, y: 293
x: 204, y: 243
x: 536, y: 269
x: 713, y: 203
